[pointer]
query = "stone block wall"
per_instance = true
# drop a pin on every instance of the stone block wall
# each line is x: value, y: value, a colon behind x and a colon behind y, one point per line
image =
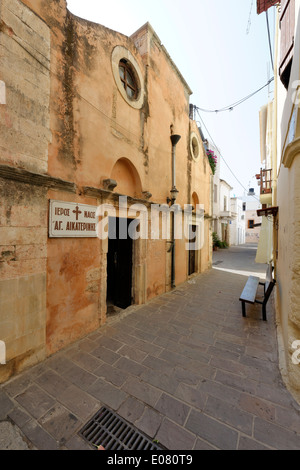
x: 288, y: 271
x: 24, y: 140
x: 25, y: 71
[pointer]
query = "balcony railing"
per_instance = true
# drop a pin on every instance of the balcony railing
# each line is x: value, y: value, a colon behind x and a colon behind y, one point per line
x: 225, y: 214
x: 265, y: 178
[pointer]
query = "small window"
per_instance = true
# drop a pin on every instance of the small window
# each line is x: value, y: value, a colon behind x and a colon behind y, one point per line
x: 195, y: 146
x: 250, y: 223
x: 244, y: 206
x: 128, y: 79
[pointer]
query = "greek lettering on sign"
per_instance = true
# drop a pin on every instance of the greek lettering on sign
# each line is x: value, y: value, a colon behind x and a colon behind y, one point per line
x: 72, y: 220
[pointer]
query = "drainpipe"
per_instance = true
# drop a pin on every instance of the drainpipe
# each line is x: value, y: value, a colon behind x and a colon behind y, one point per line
x: 174, y: 192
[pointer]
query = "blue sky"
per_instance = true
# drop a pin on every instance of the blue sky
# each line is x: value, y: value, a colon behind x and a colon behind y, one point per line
x: 222, y: 52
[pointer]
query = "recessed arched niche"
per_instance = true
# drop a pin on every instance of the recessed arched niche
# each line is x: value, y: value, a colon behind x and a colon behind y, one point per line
x: 127, y: 178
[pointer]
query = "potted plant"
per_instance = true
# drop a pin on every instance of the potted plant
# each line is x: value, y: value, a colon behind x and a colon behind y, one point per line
x: 216, y: 241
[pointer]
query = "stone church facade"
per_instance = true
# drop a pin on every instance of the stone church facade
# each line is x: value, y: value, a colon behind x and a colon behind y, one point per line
x: 87, y: 117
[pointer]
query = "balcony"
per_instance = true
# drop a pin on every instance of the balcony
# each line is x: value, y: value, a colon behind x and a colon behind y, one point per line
x: 265, y: 181
x: 225, y: 214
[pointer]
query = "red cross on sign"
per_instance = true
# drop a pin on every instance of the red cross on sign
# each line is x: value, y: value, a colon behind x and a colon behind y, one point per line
x: 77, y: 212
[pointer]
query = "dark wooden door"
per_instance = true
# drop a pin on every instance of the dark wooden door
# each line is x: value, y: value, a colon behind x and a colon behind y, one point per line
x: 192, y: 253
x: 119, y: 264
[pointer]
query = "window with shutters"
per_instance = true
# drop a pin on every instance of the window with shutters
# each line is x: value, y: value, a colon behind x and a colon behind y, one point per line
x: 287, y: 27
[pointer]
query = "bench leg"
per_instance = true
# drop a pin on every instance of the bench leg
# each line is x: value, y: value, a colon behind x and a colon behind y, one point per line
x: 264, y: 312
x: 244, y: 309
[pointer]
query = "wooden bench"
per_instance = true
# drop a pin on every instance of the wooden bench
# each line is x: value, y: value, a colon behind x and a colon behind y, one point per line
x: 249, y: 294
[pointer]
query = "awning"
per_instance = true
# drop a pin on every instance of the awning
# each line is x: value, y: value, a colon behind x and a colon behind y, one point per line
x: 268, y: 211
x: 264, y: 252
x: 264, y: 5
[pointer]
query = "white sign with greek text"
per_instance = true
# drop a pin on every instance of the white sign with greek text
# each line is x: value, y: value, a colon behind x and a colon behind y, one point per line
x: 72, y: 220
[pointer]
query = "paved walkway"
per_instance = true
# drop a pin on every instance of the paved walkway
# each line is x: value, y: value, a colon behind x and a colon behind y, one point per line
x: 186, y: 369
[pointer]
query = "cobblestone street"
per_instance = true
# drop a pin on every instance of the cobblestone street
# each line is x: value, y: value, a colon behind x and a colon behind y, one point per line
x: 186, y: 369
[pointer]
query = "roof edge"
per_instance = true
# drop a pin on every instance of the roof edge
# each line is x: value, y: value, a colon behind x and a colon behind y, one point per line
x: 148, y: 27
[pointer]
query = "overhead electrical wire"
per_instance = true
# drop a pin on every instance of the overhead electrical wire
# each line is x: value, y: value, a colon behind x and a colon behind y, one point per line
x: 269, y: 38
x: 237, y: 103
x: 213, y: 142
x: 249, y: 21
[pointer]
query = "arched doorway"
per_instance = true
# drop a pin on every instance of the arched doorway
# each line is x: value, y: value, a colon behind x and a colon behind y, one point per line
x: 193, y: 261
x: 121, y: 255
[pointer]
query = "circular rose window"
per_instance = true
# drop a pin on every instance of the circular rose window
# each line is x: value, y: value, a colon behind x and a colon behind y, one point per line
x: 195, y: 146
x: 128, y: 77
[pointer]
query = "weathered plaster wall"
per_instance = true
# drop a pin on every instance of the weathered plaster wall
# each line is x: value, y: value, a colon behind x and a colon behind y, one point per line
x: 288, y: 267
x: 288, y: 202
x: 73, y: 285
x: 168, y: 109
x: 73, y: 265
x: 25, y: 69
x: 157, y: 283
x: 24, y: 139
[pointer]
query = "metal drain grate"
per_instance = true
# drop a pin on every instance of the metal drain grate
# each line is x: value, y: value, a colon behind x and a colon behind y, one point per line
x: 112, y: 432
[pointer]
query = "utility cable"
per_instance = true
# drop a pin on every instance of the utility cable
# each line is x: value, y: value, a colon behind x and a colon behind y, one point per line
x: 269, y: 38
x: 237, y: 103
x: 212, y: 140
x: 249, y: 21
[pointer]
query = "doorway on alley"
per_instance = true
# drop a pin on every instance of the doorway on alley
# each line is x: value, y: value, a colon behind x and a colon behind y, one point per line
x: 192, y: 263
x: 119, y: 265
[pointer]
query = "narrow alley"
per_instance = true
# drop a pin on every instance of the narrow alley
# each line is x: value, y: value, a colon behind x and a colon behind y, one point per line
x: 186, y: 369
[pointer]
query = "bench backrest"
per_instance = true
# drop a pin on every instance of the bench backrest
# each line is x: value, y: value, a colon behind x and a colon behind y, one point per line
x: 269, y: 272
x: 270, y: 282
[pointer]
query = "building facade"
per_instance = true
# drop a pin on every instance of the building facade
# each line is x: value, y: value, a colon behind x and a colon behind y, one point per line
x: 216, y: 192
x: 279, y: 178
x: 253, y: 221
x: 237, y: 225
x: 221, y: 194
x: 225, y: 211
x: 95, y: 137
